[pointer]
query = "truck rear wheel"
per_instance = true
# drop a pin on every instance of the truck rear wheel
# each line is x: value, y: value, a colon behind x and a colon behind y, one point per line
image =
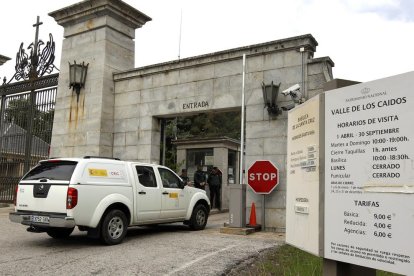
x: 59, y: 233
x: 199, y: 217
x: 114, y: 227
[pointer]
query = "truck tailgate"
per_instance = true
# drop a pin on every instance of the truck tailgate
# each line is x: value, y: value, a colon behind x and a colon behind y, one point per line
x: 42, y: 197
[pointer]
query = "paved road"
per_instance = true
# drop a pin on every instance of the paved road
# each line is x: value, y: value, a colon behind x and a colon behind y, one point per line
x: 162, y: 250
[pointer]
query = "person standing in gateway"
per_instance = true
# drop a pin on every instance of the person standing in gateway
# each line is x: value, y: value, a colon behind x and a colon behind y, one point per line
x: 184, y: 177
x: 214, y: 183
x: 199, y: 178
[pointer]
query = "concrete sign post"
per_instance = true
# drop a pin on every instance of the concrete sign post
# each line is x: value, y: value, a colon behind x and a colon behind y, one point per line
x: 263, y: 177
x: 369, y: 174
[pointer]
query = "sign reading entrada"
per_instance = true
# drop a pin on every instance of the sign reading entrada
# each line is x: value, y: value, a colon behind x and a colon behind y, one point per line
x: 194, y: 105
x: 369, y: 174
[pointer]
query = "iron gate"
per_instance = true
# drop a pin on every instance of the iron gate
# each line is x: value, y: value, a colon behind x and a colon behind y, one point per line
x: 26, y: 112
x: 26, y: 120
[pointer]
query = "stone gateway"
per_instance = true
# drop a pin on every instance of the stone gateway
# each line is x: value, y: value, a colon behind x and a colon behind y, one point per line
x: 119, y: 110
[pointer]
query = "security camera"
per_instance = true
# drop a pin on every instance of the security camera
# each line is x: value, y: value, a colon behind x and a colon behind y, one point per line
x: 291, y: 90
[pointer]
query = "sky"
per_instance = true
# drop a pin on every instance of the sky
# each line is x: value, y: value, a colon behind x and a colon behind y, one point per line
x: 366, y: 39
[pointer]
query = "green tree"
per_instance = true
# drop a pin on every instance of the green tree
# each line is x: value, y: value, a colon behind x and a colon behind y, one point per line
x: 209, y: 125
x: 206, y: 125
x: 17, y: 111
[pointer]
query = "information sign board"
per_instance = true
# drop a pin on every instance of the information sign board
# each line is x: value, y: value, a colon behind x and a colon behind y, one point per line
x: 304, y: 212
x: 369, y: 174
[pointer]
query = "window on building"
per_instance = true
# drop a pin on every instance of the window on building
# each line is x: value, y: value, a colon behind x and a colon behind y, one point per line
x: 232, y: 166
x: 199, y: 157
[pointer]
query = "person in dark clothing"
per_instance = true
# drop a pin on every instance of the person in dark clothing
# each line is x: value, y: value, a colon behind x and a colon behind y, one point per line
x: 214, y: 183
x: 184, y: 177
x: 199, y: 179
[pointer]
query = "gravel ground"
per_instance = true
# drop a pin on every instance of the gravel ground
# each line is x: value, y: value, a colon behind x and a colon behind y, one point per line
x: 163, y: 250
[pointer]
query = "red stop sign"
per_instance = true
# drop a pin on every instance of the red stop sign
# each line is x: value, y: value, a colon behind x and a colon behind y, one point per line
x: 263, y: 177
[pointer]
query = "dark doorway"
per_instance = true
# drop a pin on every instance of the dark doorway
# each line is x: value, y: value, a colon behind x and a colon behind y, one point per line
x: 203, y: 125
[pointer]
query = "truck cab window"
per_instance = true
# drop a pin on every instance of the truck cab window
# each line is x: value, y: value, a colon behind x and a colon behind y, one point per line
x: 146, y: 176
x: 169, y: 179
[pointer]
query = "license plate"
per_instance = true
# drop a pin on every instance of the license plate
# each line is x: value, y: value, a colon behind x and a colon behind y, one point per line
x: 40, y: 219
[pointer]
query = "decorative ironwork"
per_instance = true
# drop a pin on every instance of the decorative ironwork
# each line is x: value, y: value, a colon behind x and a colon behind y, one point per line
x: 38, y: 61
x: 22, y: 86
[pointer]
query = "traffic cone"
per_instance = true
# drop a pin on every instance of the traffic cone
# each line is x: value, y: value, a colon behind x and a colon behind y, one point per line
x: 252, y: 221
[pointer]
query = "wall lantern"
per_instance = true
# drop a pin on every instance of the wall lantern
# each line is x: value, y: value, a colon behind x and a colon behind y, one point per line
x: 270, y: 92
x: 77, y: 76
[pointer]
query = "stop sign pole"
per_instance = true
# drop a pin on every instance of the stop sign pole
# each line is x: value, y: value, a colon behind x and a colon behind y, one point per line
x: 263, y: 177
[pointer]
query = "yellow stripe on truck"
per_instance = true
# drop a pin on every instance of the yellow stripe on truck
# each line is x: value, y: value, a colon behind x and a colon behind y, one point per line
x: 98, y: 172
x: 173, y: 195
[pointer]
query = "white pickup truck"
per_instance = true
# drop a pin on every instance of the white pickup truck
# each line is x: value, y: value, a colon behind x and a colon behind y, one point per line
x: 104, y: 196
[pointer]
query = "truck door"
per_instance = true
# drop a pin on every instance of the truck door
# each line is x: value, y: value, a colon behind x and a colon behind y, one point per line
x: 148, y: 194
x: 174, y: 200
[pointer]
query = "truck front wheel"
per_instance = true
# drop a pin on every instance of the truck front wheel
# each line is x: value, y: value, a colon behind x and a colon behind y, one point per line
x: 114, y: 227
x: 199, y: 217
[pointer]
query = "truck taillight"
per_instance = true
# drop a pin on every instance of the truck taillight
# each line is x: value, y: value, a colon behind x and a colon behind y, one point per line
x: 15, y: 195
x: 71, y: 198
